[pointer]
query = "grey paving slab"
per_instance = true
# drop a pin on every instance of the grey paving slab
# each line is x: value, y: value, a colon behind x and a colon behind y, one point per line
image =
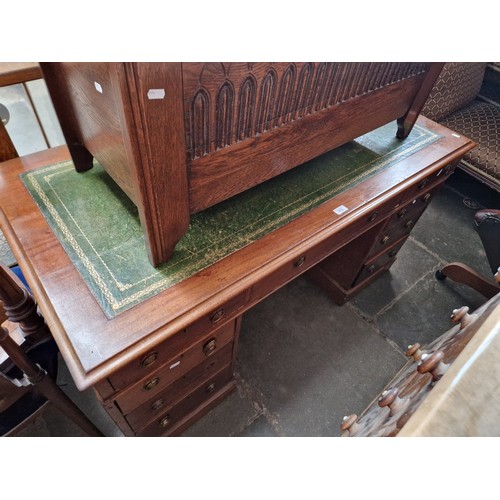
x: 424, y: 312
x: 87, y: 401
x: 474, y: 190
x: 259, y: 428
x: 51, y: 423
x: 412, y: 263
x: 229, y: 418
x: 311, y: 360
x: 446, y: 229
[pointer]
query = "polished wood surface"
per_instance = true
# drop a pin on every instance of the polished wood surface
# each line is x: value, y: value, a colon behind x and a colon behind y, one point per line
x: 462, y: 273
x: 95, y: 347
x: 181, y: 137
x: 12, y: 73
x: 7, y: 148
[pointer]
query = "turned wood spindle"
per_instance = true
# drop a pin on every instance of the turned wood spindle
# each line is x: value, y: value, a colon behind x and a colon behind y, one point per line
x: 433, y: 364
x: 391, y: 399
x: 19, y: 305
x: 349, y: 424
x: 462, y: 316
x: 414, y: 351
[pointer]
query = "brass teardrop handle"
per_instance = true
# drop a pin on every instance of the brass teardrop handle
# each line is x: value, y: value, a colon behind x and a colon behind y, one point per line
x: 402, y: 212
x: 165, y: 421
x: 427, y: 197
x: 384, y: 240
x: 423, y: 184
x: 151, y: 383
x: 210, y: 347
x: 149, y: 359
x: 217, y: 315
x: 300, y: 261
x: 373, y: 216
x: 409, y: 224
x: 159, y: 403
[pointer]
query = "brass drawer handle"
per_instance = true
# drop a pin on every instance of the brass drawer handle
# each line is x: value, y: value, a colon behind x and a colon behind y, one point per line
x: 164, y: 422
x: 211, y: 387
x: 373, y: 216
x: 392, y: 253
x: 300, y: 261
x: 402, y: 212
x: 217, y: 315
x: 409, y: 224
x: 427, y: 197
x: 209, y: 347
x: 371, y: 269
x: 384, y: 240
x: 151, y: 384
x: 159, y: 403
x: 423, y: 184
x: 149, y: 359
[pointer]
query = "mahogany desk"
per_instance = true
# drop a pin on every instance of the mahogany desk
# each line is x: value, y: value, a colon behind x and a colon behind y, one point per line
x: 160, y: 365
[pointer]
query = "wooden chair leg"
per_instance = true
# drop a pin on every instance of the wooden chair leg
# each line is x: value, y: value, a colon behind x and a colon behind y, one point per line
x: 37, y: 377
x: 464, y: 274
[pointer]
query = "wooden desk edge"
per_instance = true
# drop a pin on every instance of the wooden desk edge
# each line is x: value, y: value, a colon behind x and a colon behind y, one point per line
x: 86, y: 378
x: 14, y: 73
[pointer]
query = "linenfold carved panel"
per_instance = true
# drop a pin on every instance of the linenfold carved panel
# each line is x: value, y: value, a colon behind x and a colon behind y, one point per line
x: 226, y: 103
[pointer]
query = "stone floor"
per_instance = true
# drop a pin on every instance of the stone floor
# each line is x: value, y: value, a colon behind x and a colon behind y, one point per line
x: 303, y: 362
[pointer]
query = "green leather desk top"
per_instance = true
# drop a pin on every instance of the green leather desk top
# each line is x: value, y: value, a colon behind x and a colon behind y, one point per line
x: 99, y: 228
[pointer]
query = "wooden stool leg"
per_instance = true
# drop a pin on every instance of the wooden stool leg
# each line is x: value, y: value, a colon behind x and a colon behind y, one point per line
x: 464, y: 274
x: 37, y: 377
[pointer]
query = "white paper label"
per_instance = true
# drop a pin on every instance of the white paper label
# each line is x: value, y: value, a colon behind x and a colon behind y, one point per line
x: 156, y: 94
x: 340, y: 210
x: 455, y: 135
x: 175, y: 364
x: 98, y: 87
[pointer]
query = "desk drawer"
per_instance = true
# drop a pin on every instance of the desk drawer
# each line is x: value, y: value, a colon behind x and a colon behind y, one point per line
x: 379, y: 261
x: 390, y: 235
x: 155, y: 382
x: 414, y: 207
x: 169, y: 396
x: 171, y: 416
x: 182, y: 351
x: 294, y: 267
x: 431, y: 180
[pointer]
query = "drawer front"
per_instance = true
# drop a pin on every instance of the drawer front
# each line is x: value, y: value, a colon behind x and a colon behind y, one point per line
x: 414, y: 207
x: 157, y: 381
x: 182, y: 351
x: 167, y: 419
x: 431, y: 180
x: 371, y: 267
x: 311, y: 257
x: 390, y: 235
x: 169, y: 396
